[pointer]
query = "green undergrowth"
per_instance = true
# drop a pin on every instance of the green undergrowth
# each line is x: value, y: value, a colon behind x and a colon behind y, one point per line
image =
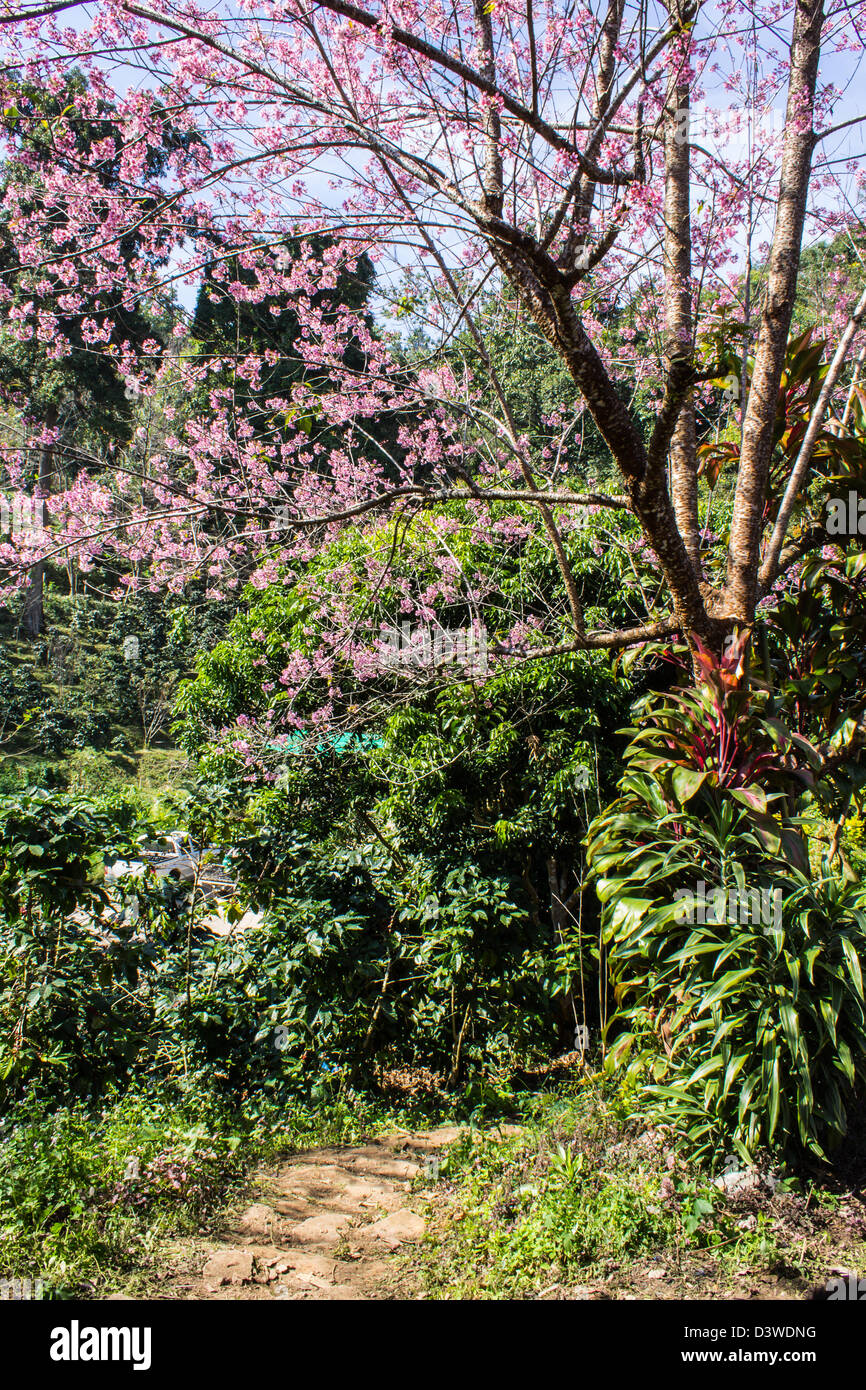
x: 157, y: 777
x: 89, y: 1191
x: 585, y: 1194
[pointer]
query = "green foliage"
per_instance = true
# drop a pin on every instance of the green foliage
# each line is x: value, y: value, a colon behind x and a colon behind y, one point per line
x: 68, y: 960
x: 290, y: 1006
x: 361, y: 960
x: 355, y: 959
x: 816, y: 659
x: 284, y: 628
x: 89, y: 1190
x: 104, y: 673
x: 582, y: 1193
x: 50, y: 849
x: 511, y: 768
x: 466, y: 805
x: 20, y: 695
x: 459, y: 809
x: 83, y: 1188
x: 418, y: 879
x: 749, y: 1029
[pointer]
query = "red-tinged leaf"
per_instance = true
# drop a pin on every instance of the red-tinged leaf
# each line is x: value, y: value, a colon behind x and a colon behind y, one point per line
x: 753, y: 797
x: 686, y: 783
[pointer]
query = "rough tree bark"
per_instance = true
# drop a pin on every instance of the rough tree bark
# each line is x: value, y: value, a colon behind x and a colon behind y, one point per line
x: 33, y: 611
x: 741, y: 588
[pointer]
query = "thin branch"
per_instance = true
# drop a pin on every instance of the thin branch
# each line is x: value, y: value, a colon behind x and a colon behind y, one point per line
x: 770, y: 566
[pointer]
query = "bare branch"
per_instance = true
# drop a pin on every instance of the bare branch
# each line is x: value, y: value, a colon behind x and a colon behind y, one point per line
x: 770, y: 566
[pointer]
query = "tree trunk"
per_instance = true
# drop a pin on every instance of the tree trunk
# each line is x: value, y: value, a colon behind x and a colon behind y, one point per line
x: 561, y: 918
x: 33, y: 612
x: 679, y: 325
x: 756, y: 450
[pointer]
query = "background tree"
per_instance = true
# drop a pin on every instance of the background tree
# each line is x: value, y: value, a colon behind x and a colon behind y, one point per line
x: 77, y: 398
x: 474, y: 177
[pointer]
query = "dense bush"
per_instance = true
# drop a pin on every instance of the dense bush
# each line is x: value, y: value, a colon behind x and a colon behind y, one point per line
x: 69, y: 955
x: 352, y: 958
x: 354, y: 964
x: 751, y: 1029
x: 20, y: 693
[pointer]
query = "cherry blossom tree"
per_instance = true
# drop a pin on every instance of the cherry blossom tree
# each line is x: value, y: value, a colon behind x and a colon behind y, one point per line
x: 553, y: 155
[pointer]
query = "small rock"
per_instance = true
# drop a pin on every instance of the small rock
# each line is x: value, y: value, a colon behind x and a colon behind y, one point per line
x: 326, y: 1229
x: 400, y: 1226
x: 302, y: 1262
x: 365, y: 1162
x: 295, y: 1209
x: 229, y: 1267
x: 433, y: 1139
x: 748, y: 1182
x: 258, y: 1220
x: 315, y: 1280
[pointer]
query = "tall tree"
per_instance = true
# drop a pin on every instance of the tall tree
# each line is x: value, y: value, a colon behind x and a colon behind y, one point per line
x: 77, y: 399
x: 548, y: 149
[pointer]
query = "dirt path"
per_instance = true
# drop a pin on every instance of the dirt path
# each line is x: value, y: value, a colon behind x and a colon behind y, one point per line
x: 326, y: 1224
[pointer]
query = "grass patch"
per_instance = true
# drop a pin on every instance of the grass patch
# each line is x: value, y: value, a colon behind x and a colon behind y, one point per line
x: 88, y: 1192
x: 586, y: 1201
x: 159, y: 778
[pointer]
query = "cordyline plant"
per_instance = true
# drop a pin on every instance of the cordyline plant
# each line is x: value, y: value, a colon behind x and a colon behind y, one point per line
x: 736, y: 967
x: 718, y: 737
x: 541, y: 155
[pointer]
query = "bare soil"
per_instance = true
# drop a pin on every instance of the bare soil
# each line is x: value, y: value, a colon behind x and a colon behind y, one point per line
x: 326, y: 1224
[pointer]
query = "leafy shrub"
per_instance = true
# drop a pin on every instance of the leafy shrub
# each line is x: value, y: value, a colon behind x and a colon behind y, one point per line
x: 582, y: 1188
x: 20, y: 693
x: 356, y: 956
x: 356, y: 959
x: 84, y: 1186
x: 751, y: 1029
x: 69, y: 957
